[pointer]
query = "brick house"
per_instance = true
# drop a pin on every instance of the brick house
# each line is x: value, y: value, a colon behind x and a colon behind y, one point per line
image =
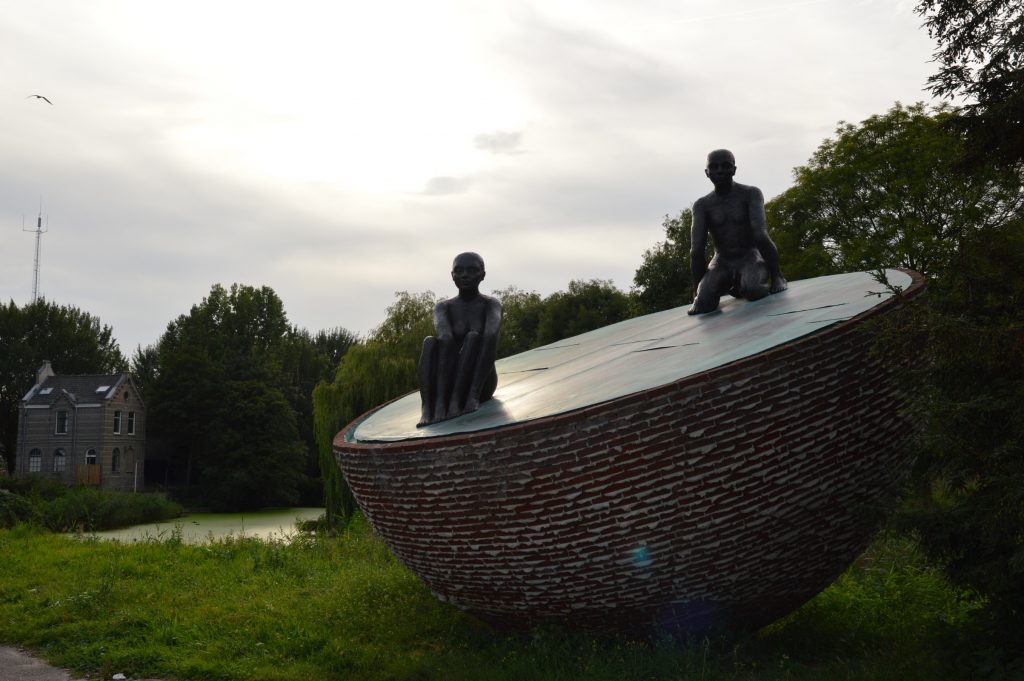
x: 89, y: 429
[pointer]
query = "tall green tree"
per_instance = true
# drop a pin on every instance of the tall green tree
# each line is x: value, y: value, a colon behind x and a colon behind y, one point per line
x: 219, y: 402
x: 889, y: 192
x: 981, y: 58
x: 74, y: 341
x: 145, y: 366
x: 307, y: 360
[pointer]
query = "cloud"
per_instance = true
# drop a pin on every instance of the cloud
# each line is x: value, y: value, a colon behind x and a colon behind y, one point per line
x: 444, y: 185
x: 499, y: 142
x: 164, y: 171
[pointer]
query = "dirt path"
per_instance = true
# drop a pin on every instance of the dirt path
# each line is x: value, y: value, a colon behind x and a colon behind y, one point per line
x: 17, y: 665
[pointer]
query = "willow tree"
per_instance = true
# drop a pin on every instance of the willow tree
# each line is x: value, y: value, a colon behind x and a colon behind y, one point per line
x: 370, y: 373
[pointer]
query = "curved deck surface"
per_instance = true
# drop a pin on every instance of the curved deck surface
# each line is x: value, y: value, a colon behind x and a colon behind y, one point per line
x: 639, y: 354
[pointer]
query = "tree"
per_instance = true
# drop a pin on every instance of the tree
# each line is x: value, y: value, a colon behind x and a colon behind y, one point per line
x: 74, y: 341
x: 966, y: 348
x: 145, y: 366
x: 663, y: 279
x: 307, y: 360
x: 256, y: 456
x: 889, y: 192
x: 981, y: 57
x: 892, y: 191
x: 370, y: 373
x: 225, y: 397
x: 585, y: 306
x: 520, y: 318
x: 802, y: 252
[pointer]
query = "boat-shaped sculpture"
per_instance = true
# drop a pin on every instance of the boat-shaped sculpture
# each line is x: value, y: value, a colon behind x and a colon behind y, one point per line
x: 668, y: 471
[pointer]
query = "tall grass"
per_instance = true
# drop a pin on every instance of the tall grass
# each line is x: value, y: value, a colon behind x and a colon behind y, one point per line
x: 64, y: 509
x: 319, y: 607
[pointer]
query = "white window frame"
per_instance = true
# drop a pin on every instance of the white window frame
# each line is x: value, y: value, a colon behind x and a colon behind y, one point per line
x: 131, y: 423
x: 35, y: 461
x: 115, y: 461
x: 117, y: 422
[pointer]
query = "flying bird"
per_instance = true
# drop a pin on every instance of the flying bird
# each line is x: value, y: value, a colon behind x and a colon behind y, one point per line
x: 42, y: 98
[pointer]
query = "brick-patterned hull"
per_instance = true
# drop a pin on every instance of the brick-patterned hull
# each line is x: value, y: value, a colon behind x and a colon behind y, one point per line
x: 627, y: 515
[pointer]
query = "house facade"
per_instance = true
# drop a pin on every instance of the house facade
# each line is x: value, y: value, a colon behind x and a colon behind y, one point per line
x: 88, y: 429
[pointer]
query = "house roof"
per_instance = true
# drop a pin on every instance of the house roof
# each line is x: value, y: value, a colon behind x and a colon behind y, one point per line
x: 84, y: 389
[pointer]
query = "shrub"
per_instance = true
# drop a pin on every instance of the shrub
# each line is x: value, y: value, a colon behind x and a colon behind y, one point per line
x: 15, y: 509
x: 90, y: 510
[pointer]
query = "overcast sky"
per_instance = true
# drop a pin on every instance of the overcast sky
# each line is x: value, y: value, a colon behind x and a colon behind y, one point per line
x: 341, y: 151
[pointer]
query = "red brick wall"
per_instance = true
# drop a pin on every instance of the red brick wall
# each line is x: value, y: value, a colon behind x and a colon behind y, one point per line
x: 731, y: 497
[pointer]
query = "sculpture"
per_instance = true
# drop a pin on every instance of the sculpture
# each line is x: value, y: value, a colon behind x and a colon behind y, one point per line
x: 457, y: 369
x: 745, y: 256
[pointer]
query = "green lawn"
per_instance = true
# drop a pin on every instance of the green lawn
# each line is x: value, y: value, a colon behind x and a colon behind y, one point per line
x: 344, y: 608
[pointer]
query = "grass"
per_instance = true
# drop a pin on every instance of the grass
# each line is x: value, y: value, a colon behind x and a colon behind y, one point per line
x: 345, y: 608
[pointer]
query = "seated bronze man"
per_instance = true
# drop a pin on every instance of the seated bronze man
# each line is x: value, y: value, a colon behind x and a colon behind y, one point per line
x: 457, y: 369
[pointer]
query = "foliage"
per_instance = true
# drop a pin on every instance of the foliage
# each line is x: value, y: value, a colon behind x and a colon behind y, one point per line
x: 520, y: 319
x: 145, y: 367
x: 345, y: 608
x: 407, y: 321
x: 307, y: 361
x: 34, y: 487
x: 89, y: 509
x: 74, y: 341
x: 382, y: 368
x: 663, y: 279
x: 889, y: 192
x: 15, y: 509
x: 803, y: 254
x: 62, y: 509
x: 968, y: 357
x: 981, y: 57
x: 229, y: 398
x: 585, y: 306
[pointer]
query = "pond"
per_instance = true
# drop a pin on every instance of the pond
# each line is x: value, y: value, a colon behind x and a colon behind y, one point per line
x: 197, y: 528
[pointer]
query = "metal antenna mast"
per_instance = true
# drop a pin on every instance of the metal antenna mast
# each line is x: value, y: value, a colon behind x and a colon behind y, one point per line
x: 39, y: 232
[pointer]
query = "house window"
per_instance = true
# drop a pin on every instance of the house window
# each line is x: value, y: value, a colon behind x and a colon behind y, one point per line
x: 131, y: 423
x: 115, y: 461
x: 35, y: 461
x: 117, y: 421
x: 60, y: 459
x: 90, y: 457
x: 62, y: 422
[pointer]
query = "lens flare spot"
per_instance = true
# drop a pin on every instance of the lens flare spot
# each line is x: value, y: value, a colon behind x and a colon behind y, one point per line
x: 641, y: 557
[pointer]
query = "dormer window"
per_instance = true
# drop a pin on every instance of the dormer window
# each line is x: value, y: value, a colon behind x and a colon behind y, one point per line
x: 103, y: 389
x: 61, y: 427
x: 46, y: 391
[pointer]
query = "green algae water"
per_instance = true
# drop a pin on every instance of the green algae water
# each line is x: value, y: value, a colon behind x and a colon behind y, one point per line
x: 197, y: 528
